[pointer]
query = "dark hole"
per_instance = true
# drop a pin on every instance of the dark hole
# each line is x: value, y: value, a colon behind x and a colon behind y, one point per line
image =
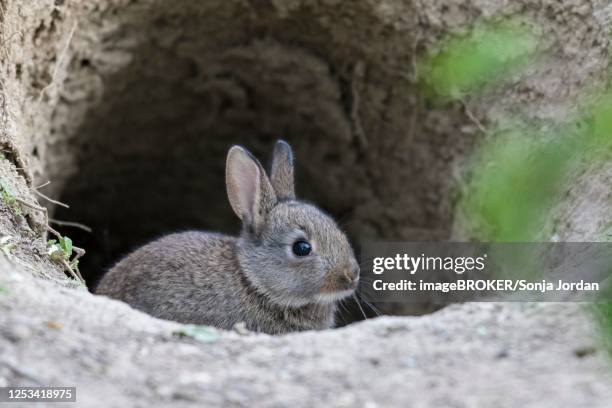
x: 149, y: 158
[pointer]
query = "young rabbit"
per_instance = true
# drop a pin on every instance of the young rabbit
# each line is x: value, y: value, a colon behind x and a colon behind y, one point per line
x: 285, y: 272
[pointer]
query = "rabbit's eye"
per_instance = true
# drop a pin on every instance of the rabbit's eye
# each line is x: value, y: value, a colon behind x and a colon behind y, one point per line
x: 302, y: 248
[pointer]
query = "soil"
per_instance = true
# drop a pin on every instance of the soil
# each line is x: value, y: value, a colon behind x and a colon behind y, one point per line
x: 128, y: 106
x: 471, y: 355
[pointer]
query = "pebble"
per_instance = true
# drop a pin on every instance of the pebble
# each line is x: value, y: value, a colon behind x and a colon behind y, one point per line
x: 19, y: 333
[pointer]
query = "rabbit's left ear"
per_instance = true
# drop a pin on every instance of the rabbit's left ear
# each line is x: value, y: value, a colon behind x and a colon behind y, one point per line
x: 281, y: 175
x: 249, y: 190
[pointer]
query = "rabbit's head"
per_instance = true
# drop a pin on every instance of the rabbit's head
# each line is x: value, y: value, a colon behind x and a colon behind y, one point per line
x: 289, y: 250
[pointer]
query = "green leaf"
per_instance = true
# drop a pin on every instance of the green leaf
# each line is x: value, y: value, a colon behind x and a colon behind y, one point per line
x: 204, y: 334
x: 66, y: 247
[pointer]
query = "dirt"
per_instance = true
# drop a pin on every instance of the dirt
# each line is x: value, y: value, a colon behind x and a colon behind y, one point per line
x: 128, y: 108
x: 472, y: 355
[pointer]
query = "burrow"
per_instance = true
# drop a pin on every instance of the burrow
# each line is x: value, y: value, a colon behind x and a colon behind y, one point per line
x: 154, y: 94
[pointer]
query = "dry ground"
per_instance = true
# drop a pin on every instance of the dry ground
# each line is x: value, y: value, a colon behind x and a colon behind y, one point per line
x: 472, y: 355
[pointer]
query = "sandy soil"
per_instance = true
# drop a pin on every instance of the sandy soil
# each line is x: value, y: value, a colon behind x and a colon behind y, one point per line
x: 472, y: 355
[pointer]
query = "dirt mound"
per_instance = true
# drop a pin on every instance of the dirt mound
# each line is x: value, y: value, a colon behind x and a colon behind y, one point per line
x: 503, y: 355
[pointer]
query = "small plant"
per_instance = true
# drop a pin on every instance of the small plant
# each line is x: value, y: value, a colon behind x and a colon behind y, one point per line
x: 9, y: 198
x: 61, y: 250
x: 3, y: 290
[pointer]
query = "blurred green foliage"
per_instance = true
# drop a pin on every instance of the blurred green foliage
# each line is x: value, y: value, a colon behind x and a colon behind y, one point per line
x: 518, y: 175
x: 599, y: 138
x: 603, y: 313
x: 515, y: 184
x: 489, y: 52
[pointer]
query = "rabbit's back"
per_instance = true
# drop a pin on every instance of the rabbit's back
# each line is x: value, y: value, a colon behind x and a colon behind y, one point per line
x: 186, y: 277
x: 272, y: 277
x: 195, y: 277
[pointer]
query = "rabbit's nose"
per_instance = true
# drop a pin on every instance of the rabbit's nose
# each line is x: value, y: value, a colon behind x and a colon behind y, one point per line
x: 352, y: 273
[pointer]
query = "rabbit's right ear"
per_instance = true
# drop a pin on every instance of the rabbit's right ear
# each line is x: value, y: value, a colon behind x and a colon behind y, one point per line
x: 248, y: 188
x: 281, y: 175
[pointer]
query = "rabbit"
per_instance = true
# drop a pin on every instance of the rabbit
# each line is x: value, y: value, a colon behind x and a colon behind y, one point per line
x: 286, y: 271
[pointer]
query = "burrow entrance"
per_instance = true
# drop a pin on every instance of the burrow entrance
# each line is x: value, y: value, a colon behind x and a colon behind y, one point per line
x: 151, y: 105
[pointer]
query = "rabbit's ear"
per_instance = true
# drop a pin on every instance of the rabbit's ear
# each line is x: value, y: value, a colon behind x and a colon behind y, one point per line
x: 281, y: 175
x: 249, y: 190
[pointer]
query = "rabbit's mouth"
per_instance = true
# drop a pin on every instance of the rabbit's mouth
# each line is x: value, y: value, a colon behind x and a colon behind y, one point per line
x: 331, y: 297
x: 338, y: 285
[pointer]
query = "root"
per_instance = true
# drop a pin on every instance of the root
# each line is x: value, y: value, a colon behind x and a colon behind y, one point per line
x: 59, y: 63
x: 71, y: 224
x: 50, y: 199
x: 356, y: 124
x: 473, y: 118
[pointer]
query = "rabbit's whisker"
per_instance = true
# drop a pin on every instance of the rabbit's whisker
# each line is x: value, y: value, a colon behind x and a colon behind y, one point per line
x: 359, y: 305
x: 342, y: 305
x: 370, y: 305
